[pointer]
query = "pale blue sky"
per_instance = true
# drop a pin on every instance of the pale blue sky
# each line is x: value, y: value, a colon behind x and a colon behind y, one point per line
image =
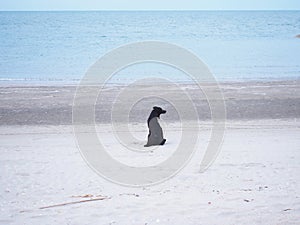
x: 149, y: 4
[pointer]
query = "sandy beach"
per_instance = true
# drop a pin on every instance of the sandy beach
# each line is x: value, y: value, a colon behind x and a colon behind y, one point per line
x: 255, y: 179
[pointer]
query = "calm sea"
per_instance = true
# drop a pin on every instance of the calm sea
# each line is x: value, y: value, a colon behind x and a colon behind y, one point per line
x: 54, y: 47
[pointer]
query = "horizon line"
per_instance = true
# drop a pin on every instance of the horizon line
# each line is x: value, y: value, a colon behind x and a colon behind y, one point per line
x: 135, y: 10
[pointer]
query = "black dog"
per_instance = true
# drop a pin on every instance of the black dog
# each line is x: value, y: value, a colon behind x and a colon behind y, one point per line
x: 155, y: 136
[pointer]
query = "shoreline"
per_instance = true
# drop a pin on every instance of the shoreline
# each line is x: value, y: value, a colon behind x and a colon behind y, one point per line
x: 64, y: 83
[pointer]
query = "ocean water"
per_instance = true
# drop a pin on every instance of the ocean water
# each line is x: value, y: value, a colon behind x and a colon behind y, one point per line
x: 45, y: 47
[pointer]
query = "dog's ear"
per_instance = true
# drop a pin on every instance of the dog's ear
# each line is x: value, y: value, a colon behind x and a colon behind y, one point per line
x: 156, y: 108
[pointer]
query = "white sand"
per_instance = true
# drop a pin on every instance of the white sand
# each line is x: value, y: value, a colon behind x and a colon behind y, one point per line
x: 255, y: 179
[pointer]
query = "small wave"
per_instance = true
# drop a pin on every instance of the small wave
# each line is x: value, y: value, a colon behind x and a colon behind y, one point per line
x: 12, y: 79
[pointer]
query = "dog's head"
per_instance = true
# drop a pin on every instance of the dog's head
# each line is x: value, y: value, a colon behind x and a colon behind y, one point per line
x: 159, y: 110
x: 156, y: 112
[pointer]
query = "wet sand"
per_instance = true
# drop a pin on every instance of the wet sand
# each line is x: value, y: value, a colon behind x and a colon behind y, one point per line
x: 52, y: 105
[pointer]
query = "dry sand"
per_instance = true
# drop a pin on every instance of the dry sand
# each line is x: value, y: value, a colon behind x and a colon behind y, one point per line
x: 255, y: 179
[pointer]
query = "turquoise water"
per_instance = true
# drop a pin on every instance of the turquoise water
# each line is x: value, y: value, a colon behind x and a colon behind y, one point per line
x: 236, y: 45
